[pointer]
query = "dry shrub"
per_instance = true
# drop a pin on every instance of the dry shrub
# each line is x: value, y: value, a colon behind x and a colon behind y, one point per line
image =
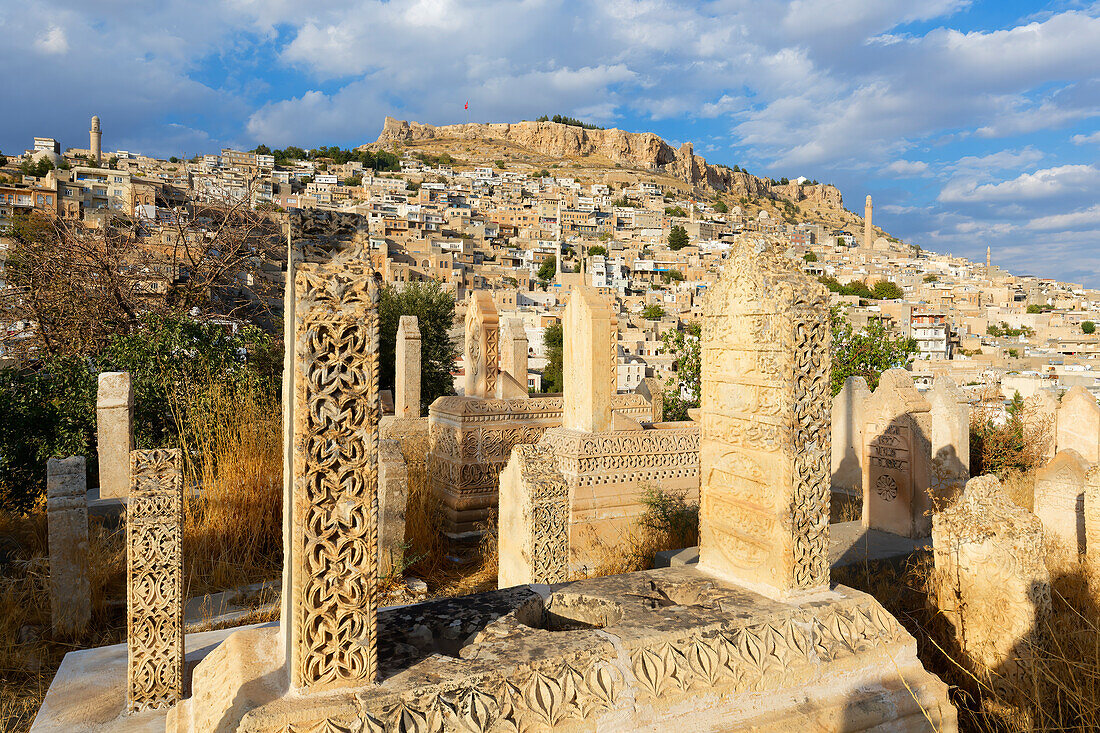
x: 670, y: 522
x: 1061, y: 692
x: 845, y: 507
x: 29, y: 652
x: 230, y: 435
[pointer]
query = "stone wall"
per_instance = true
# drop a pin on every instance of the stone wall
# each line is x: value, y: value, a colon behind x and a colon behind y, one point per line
x: 471, y: 439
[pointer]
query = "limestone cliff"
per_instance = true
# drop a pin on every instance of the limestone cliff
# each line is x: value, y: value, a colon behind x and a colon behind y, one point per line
x: 637, y: 149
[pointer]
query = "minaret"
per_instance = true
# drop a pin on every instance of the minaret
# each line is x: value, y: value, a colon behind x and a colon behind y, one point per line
x: 868, y: 209
x: 988, y: 258
x: 95, y: 140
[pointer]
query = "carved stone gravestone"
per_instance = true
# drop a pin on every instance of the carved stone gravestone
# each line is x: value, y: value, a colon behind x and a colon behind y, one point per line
x: 482, y: 345
x: 534, y: 519
x: 154, y: 565
x: 950, y: 411
x: 67, y: 517
x: 992, y: 584
x: 764, y: 511
x: 1060, y: 499
x: 333, y: 538
x: 897, y: 457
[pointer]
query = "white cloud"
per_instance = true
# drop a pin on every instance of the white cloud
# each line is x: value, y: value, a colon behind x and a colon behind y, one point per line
x: 1066, y: 180
x: 908, y: 168
x: 53, y: 41
x: 1090, y: 139
x: 1089, y: 217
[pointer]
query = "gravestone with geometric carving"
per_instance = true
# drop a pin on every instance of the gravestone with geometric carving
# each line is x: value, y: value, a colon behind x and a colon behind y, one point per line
x: 154, y: 565
x: 1060, y: 499
x: 765, y: 455
x: 897, y: 457
x: 534, y: 503
x: 481, y: 357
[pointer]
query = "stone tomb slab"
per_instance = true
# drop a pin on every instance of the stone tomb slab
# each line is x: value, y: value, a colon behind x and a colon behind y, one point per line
x: 642, y: 652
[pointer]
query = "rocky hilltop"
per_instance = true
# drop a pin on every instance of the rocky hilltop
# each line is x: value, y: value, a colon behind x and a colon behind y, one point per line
x: 635, y: 149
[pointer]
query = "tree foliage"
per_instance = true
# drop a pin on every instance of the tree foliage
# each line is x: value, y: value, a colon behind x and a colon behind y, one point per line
x: 865, y: 353
x: 885, y: 290
x: 553, y: 338
x: 653, y: 312
x: 677, y: 238
x: 1088, y: 327
x: 547, y: 269
x: 855, y: 287
x: 434, y: 309
x: 685, y: 389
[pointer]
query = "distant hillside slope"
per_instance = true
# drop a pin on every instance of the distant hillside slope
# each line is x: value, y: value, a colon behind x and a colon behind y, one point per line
x: 636, y: 149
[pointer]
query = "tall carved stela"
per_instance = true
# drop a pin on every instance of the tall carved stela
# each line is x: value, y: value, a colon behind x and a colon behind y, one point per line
x: 333, y: 537
x: 482, y: 348
x: 154, y: 564
x: 765, y: 454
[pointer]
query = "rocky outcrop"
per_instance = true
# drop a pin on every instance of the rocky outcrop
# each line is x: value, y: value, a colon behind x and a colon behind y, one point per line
x: 636, y: 149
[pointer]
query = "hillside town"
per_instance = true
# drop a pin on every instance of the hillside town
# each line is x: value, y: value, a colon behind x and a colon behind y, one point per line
x: 529, y: 233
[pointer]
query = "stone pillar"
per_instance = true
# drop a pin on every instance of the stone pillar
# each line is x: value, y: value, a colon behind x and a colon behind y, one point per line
x: 1092, y: 517
x: 950, y: 437
x: 1079, y: 424
x: 393, y: 497
x: 1060, y: 499
x: 406, y: 381
x: 992, y: 584
x: 482, y: 346
x: 897, y: 457
x: 513, y: 350
x: 585, y: 362
x: 534, y: 519
x: 114, y: 420
x: 332, y: 542
x: 764, y: 454
x: 154, y: 564
x: 650, y: 388
x: 67, y: 516
x: 847, y: 436
x: 868, y: 227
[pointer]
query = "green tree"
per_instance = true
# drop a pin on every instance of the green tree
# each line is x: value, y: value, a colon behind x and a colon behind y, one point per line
x: 597, y: 251
x: 865, y: 353
x: 677, y: 238
x: 809, y: 257
x: 653, y: 312
x: 1088, y: 327
x: 720, y: 207
x: 675, y: 211
x: 931, y: 278
x: 434, y: 309
x: 547, y: 270
x: 173, y: 159
x: 684, y: 391
x: 885, y: 290
x: 3, y: 160
x: 353, y: 180
x: 672, y: 275
x: 553, y: 340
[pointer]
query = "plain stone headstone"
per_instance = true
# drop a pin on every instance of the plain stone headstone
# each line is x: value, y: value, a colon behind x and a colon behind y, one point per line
x: 67, y: 518
x: 393, y: 495
x: 586, y: 362
x: 847, y: 437
x: 407, y: 368
x: 1079, y: 424
x: 114, y: 428
x: 1060, y: 498
x: 950, y: 436
x: 513, y: 350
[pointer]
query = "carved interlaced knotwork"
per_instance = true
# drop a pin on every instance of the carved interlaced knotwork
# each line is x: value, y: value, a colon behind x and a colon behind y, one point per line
x: 335, y: 541
x: 154, y: 562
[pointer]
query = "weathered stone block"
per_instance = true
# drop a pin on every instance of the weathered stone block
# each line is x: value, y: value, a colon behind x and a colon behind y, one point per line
x: 407, y: 369
x: 1060, y: 499
x: 67, y: 517
x: 114, y: 433
x: 992, y: 584
x: 847, y: 435
x: 1078, y: 425
x: 393, y: 495
x: 481, y: 357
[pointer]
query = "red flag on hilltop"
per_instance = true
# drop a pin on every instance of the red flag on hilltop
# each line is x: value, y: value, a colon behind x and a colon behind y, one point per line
x: 467, y: 104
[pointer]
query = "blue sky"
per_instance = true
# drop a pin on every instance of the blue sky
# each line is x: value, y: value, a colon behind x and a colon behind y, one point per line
x: 971, y: 122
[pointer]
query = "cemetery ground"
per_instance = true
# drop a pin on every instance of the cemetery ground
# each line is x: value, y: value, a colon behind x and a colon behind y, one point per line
x: 233, y: 532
